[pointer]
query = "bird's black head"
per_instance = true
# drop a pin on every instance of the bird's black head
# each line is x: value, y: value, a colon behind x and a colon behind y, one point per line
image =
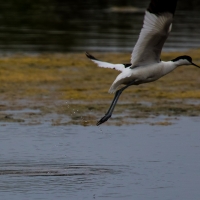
x: 188, y: 58
x: 184, y: 60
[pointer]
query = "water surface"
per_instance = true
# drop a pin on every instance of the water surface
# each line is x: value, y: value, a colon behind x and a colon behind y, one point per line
x: 108, y: 162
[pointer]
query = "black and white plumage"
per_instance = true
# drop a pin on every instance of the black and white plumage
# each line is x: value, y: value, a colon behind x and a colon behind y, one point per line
x: 146, y: 65
x: 118, y: 67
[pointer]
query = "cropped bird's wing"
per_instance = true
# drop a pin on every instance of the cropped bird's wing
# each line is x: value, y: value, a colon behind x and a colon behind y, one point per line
x: 119, y: 67
x: 156, y: 28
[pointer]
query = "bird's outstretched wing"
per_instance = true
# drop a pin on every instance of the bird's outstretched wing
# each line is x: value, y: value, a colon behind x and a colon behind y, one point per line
x: 119, y: 67
x: 156, y: 28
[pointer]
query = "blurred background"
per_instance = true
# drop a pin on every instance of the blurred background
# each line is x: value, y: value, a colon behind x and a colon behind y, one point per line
x: 92, y: 25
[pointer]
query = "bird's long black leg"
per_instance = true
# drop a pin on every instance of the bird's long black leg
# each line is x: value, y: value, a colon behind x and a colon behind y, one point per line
x: 112, y: 106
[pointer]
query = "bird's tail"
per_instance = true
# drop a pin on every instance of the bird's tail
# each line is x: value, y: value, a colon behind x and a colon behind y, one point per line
x: 112, y: 89
x: 115, y: 86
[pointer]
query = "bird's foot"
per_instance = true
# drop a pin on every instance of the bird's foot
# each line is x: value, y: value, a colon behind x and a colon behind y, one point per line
x: 103, y: 119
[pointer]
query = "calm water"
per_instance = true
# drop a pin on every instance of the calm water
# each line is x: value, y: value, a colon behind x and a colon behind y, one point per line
x: 74, y: 162
x: 90, y: 25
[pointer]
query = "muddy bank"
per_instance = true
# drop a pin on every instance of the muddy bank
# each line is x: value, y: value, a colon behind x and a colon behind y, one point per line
x: 70, y: 89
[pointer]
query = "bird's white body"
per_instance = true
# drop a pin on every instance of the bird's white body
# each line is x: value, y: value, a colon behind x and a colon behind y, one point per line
x: 142, y: 74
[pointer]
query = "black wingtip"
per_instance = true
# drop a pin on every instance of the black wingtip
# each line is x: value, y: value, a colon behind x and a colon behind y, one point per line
x: 90, y: 56
x: 158, y: 6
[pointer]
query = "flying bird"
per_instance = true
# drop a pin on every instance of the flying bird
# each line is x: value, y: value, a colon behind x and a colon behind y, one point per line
x: 146, y: 65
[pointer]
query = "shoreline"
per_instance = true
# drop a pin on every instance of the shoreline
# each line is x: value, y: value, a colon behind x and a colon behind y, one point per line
x: 69, y: 89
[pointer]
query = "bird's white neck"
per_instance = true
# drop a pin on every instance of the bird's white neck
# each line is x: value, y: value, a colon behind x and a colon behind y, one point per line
x: 171, y: 65
x: 182, y: 62
x: 168, y: 67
